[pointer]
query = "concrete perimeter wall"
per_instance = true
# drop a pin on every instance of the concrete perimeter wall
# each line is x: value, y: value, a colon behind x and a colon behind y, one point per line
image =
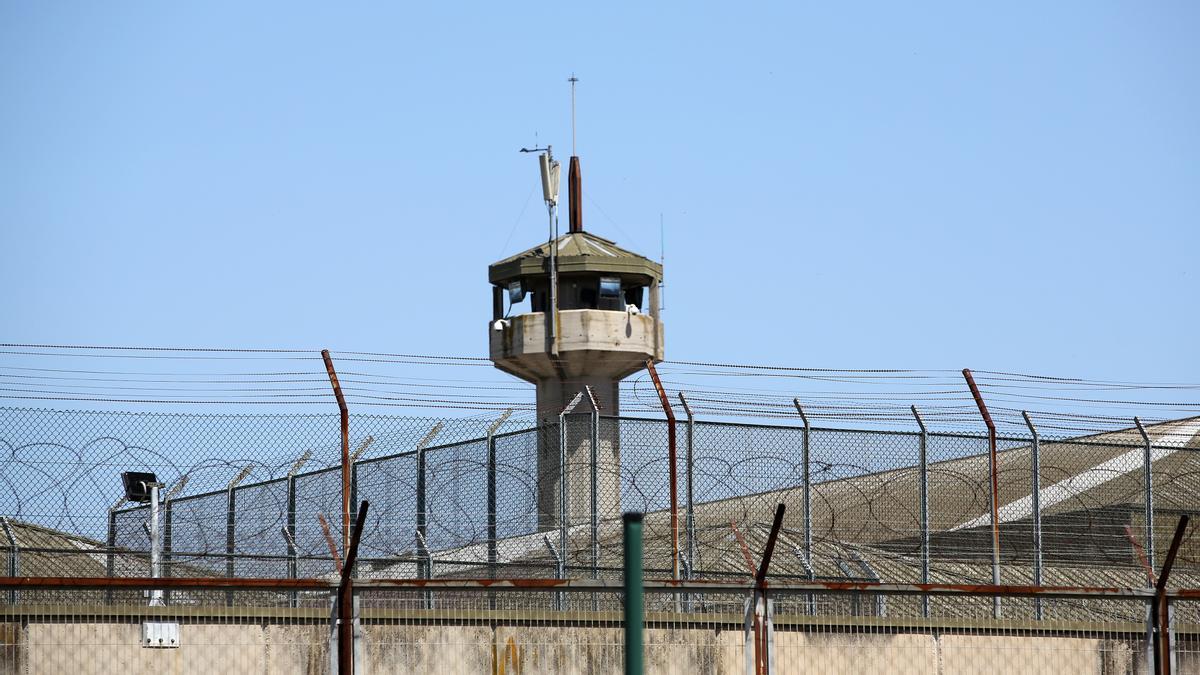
x: 112, y: 646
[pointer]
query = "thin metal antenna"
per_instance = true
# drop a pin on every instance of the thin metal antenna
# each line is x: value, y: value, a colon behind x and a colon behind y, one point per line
x: 662, y: 262
x: 573, y: 80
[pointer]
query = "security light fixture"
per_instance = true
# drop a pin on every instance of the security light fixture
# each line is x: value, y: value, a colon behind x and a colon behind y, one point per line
x: 516, y: 292
x: 138, y: 484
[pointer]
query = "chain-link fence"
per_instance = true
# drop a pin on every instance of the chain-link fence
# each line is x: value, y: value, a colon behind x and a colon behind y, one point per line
x: 261, y: 496
x: 469, y: 627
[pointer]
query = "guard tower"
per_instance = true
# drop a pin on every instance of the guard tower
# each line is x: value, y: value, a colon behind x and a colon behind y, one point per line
x: 605, y: 327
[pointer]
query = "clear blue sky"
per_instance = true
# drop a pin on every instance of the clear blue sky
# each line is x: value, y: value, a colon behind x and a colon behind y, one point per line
x: 893, y: 185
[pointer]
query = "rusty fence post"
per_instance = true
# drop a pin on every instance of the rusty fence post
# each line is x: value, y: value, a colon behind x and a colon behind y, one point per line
x: 345, y: 599
x: 1160, y: 613
x: 995, y: 485
x: 344, y: 416
x: 671, y: 460
x: 759, y: 621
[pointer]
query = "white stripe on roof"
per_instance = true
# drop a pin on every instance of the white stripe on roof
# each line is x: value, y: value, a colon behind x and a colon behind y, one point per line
x: 603, y: 250
x: 1076, y: 485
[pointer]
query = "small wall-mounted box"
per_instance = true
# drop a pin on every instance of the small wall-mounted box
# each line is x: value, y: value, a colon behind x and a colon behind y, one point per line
x: 160, y: 634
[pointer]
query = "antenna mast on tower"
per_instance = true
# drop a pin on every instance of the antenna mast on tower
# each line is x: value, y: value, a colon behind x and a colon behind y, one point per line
x: 573, y: 80
x: 574, y: 177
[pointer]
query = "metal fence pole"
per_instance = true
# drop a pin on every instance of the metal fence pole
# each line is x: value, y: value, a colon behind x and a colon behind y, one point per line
x: 634, y: 595
x: 594, y: 442
x: 689, y: 489
x: 358, y: 452
x: 1036, y: 497
x: 993, y: 470
x: 230, y: 538
x: 807, y: 499
x: 353, y: 491
x: 421, y: 515
x: 344, y: 418
x: 492, y: 553
x: 231, y: 527
x: 1160, y: 614
x: 672, y: 467
x: 564, y: 509
x: 168, y: 525
x: 1147, y: 488
x: 110, y: 565
x: 293, y: 560
x: 924, y: 497
x: 560, y: 571
x: 293, y: 551
x: 424, y: 554
x: 14, y: 565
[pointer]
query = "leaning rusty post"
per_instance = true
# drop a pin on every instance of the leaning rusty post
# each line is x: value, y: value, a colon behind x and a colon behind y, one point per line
x: 923, y: 460
x: 345, y: 598
x: 1160, y: 616
x: 759, y: 603
x: 344, y: 412
x: 666, y: 404
x: 995, y: 497
x: 1147, y: 488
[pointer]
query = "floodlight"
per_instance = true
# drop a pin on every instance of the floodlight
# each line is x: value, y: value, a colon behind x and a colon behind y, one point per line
x: 137, y: 485
x: 516, y: 292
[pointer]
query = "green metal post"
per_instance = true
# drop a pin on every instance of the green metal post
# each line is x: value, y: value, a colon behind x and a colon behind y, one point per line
x: 634, y: 601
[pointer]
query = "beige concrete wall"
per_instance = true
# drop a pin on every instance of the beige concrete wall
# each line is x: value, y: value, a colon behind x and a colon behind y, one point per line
x: 86, y: 648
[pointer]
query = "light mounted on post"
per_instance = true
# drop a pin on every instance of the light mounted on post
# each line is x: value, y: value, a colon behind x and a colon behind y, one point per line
x: 142, y: 487
x: 138, y: 485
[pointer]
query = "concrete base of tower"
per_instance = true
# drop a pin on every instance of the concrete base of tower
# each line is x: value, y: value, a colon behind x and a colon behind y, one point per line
x: 592, y: 479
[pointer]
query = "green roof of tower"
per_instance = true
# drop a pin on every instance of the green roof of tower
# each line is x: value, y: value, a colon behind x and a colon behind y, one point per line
x: 578, y: 252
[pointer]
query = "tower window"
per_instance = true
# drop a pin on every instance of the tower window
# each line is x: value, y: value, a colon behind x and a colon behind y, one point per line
x: 610, y: 287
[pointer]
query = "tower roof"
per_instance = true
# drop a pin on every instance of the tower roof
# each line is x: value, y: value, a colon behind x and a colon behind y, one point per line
x: 578, y: 252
